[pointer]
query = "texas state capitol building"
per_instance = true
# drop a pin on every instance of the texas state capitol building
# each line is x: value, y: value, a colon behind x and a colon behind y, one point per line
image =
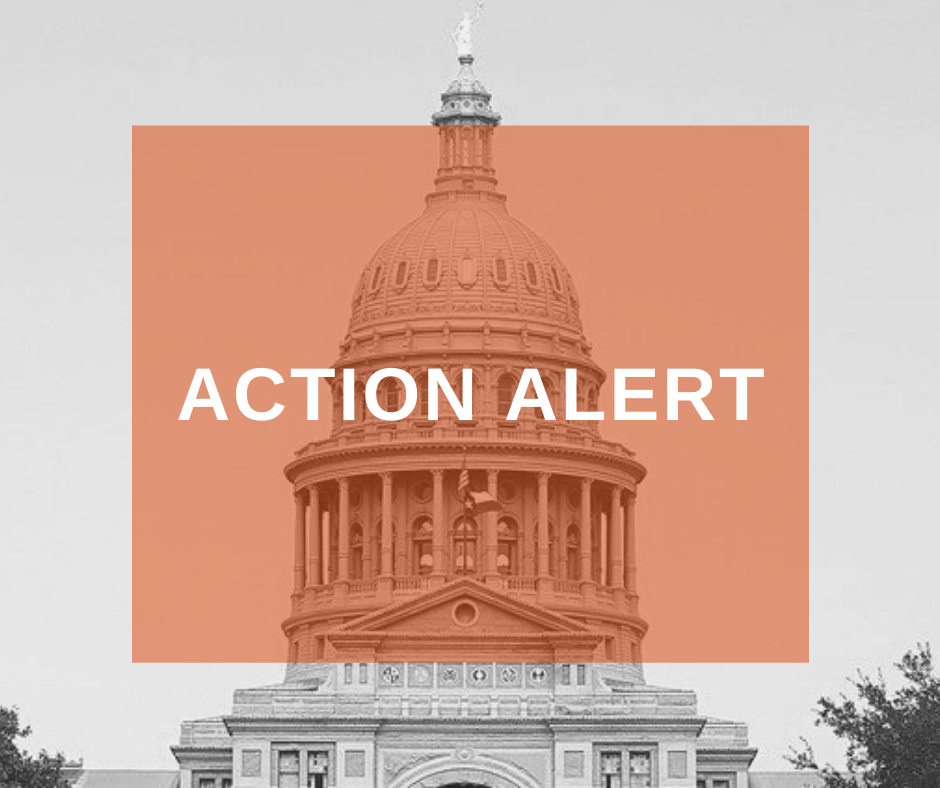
x: 429, y: 647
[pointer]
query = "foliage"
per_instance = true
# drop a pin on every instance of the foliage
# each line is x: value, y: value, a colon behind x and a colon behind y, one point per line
x: 18, y: 769
x: 892, y: 739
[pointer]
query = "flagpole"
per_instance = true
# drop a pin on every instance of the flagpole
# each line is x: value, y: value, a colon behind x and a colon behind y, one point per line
x: 465, y: 571
x: 463, y: 567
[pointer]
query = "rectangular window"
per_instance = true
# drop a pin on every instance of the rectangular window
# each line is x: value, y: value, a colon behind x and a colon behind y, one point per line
x: 641, y: 770
x: 348, y: 672
x: 318, y: 766
x: 721, y: 783
x: 206, y: 782
x: 611, y: 767
x: 582, y: 674
x: 288, y: 769
x: 566, y: 674
x: 226, y: 782
x: 363, y: 673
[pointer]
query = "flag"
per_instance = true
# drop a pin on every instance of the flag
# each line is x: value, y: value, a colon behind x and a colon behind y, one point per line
x: 483, y: 503
x: 479, y: 502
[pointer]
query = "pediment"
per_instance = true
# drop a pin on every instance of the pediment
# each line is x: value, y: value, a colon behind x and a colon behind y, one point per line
x: 465, y: 607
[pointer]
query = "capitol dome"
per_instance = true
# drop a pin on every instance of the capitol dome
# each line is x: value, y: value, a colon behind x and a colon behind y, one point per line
x: 466, y: 255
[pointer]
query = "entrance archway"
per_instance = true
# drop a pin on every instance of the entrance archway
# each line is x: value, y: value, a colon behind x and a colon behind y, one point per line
x: 467, y: 776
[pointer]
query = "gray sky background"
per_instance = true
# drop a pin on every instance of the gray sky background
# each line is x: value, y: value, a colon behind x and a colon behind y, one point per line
x: 74, y: 78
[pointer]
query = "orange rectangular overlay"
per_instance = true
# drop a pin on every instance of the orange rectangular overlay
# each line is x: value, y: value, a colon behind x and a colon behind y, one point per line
x: 541, y: 259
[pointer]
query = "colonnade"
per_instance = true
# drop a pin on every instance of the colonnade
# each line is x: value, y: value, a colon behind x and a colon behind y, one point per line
x: 312, y: 533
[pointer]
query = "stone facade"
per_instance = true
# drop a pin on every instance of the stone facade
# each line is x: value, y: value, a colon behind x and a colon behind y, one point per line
x: 431, y: 647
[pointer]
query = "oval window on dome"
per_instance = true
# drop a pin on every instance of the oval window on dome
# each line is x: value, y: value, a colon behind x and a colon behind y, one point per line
x: 532, y: 274
x: 432, y: 272
x: 401, y: 274
x: 467, y: 271
x: 501, y: 271
x: 376, y: 278
x: 556, y: 280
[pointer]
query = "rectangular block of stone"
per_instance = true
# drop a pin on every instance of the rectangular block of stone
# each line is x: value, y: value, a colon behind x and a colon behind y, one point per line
x: 355, y: 763
x: 251, y: 763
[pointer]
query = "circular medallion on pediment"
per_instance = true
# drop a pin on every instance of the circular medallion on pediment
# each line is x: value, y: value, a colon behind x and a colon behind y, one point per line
x: 465, y: 613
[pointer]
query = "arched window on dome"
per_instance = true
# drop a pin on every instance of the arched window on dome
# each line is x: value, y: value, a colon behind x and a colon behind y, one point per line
x: 592, y: 398
x: 505, y: 390
x: 501, y: 272
x: 401, y: 273
x: 464, y: 549
x: 422, y: 538
x: 356, y: 544
x: 573, y: 552
x: 556, y: 282
x: 432, y: 272
x: 532, y: 274
x: 507, y: 546
x: 376, y: 278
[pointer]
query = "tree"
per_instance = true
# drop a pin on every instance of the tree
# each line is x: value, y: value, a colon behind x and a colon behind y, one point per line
x: 892, y: 739
x: 18, y: 769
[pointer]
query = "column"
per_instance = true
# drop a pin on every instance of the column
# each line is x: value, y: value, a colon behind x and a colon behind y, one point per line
x: 490, y: 533
x: 586, y: 568
x: 629, y: 544
x: 543, y: 525
x: 327, y: 570
x: 440, y: 530
x: 386, y: 539
x: 300, y: 538
x: 342, y: 556
x: 616, y: 536
x: 314, y: 538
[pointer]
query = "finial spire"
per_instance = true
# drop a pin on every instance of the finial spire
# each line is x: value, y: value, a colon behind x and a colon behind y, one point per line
x: 466, y: 101
x: 465, y: 122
